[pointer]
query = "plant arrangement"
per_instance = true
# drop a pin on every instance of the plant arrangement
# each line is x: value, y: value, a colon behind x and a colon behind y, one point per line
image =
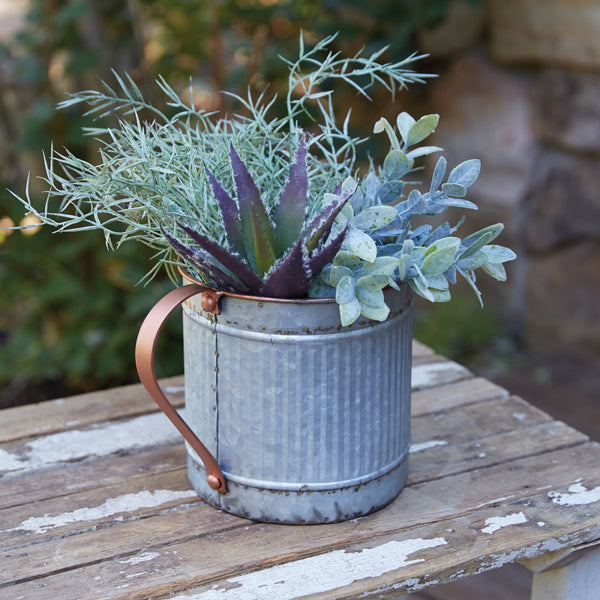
x: 259, y: 205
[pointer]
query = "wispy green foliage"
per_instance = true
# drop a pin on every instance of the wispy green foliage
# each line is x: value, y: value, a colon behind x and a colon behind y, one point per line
x: 151, y: 172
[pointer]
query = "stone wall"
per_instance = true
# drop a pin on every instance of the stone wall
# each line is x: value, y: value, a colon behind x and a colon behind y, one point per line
x: 524, y: 96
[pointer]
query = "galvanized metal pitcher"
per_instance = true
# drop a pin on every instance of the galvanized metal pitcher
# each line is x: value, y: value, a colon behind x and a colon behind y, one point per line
x: 303, y: 420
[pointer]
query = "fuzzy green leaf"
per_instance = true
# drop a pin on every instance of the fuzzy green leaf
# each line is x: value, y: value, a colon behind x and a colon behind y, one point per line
x: 390, y: 191
x: 496, y: 270
x: 346, y: 259
x: 454, y: 189
x: 396, y: 164
x: 465, y: 173
x: 370, y: 297
x: 375, y: 217
x: 404, y: 122
x: 477, y: 245
x: 383, y: 265
x: 423, y: 151
x: 371, y: 283
x: 349, y: 312
x: 375, y: 313
x: 420, y: 289
x: 345, y: 290
x: 423, y: 128
x: 498, y: 254
x: 361, y: 244
x: 336, y: 274
x: 439, y: 256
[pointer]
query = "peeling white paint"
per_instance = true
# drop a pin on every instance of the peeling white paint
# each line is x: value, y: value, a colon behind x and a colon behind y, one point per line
x: 319, y: 574
x: 495, y: 501
x: 112, y: 506
x: 104, y: 440
x: 495, y: 523
x: 10, y: 462
x: 427, y: 375
x: 139, y: 558
x: 576, y: 495
x: 541, y: 524
x: 426, y: 445
x: 519, y: 416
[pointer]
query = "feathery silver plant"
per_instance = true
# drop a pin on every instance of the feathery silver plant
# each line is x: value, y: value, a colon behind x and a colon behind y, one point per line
x: 152, y: 174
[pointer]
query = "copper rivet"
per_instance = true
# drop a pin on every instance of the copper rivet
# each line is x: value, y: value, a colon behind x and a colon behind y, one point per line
x: 214, y: 482
x: 208, y: 303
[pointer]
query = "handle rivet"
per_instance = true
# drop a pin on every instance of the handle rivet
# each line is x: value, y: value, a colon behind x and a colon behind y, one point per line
x: 213, y: 481
x: 208, y: 302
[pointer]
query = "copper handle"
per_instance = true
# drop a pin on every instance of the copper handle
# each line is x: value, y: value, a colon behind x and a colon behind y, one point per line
x: 144, y: 361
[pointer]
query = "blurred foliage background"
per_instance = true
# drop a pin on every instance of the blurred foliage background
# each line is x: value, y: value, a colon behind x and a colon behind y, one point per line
x: 69, y: 310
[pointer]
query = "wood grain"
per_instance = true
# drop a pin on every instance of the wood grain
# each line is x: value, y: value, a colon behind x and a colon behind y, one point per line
x: 84, y: 515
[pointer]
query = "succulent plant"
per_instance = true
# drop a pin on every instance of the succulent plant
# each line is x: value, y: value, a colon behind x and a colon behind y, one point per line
x: 274, y: 257
x: 380, y: 248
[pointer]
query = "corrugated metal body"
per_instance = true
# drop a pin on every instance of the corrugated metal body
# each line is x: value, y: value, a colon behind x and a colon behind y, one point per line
x: 309, y: 421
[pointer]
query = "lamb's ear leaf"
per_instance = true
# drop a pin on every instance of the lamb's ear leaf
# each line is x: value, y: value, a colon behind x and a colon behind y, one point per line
x: 220, y: 278
x: 290, y: 210
x: 242, y: 271
x: 326, y: 253
x: 257, y: 230
x: 288, y: 278
x: 230, y: 214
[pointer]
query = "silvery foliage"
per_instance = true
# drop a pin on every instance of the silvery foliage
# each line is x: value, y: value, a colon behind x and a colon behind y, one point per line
x: 381, y: 249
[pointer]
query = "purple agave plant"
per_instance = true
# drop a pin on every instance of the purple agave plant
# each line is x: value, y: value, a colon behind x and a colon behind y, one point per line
x: 273, y: 256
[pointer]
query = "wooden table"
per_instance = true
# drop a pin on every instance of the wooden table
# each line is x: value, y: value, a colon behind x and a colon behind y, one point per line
x: 95, y: 503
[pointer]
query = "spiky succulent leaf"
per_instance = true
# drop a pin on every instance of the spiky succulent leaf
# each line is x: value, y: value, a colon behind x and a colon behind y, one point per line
x: 241, y: 270
x: 257, y: 230
x: 289, y: 277
x: 290, y: 210
x: 327, y: 252
x: 230, y: 214
x: 321, y: 225
x: 203, y: 265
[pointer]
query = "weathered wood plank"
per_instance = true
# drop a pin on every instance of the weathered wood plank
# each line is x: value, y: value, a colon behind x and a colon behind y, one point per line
x: 102, y: 440
x: 120, y: 542
x: 437, y: 371
x: 34, y: 487
x: 474, y: 421
x: 451, y: 395
x: 433, y: 461
x: 85, y: 409
x: 376, y: 556
x: 100, y: 507
x: 417, y: 505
